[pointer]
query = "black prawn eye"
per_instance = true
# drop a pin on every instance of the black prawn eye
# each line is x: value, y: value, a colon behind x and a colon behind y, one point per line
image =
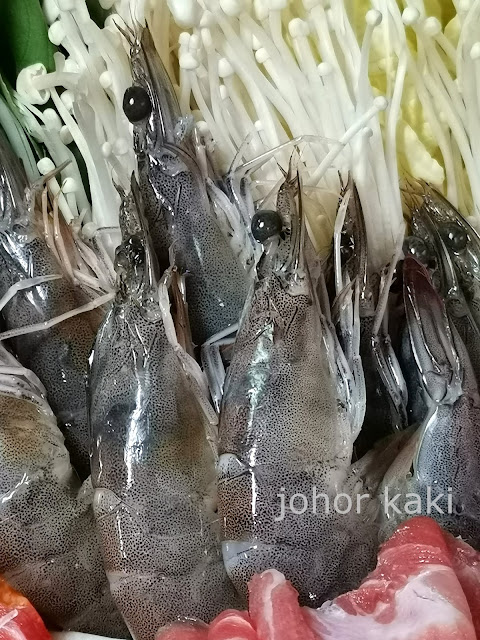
x: 136, y: 104
x: 454, y: 236
x: 265, y: 224
x: 416, y: 247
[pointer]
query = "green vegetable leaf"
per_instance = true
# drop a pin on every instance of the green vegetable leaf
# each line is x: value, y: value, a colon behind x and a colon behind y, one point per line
x: 24, y: 37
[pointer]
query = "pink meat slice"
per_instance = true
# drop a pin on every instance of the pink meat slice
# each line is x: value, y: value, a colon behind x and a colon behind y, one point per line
x: 466, y: 563
x: 413, y: 594
x: 185, y: 630
x: 232, y: 625
x: 274, y: 609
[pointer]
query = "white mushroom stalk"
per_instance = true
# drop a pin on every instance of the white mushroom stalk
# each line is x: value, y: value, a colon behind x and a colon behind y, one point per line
x: 382, y: 93
x: 275, y: 69
x: 446, y: 75
x: 86, y: 89
x: 269, y: 71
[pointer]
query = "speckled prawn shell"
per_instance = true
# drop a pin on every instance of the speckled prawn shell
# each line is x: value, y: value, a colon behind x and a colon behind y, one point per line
x: 58, y: 356
x: 282, y: 431
x: 179, y: 213
x: 446, y: 452
x: 154, y: 478
x: 49, y: 549
x: 217, y: 284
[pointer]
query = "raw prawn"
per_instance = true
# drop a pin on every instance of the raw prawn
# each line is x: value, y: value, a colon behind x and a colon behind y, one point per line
x: 48, y: 544
x: 445, y: 450
x: 177, y: 205
x: 153, y: 463
x: 58, y: 355
x: 287, y: 426
x: 366, y: 336
x: 450, y: 248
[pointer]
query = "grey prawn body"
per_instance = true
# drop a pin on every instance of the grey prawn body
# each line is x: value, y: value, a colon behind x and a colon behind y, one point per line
x: 58, y: 355
x: 286, y: 429
x: 153, y: 466
x: 49, y: 549
x: 180, y: 214
x: 443, y: 455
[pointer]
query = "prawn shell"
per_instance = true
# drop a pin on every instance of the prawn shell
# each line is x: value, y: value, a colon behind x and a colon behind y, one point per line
x: 177, y: 207
x: 48, y: 544
x: 283, y: 431
x: 59, y: 355
x: 153, y: 473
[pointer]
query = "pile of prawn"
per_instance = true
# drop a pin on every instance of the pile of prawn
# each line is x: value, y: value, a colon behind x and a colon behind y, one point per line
x: 218, y: 371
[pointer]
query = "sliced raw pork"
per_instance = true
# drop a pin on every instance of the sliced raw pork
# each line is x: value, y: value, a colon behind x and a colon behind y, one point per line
x: 466, y: 563
x: 232, y: 625
x: 274, y: 609
x: 413, y: 594
x: 185, y: 630
x: 18, y: 618
x: 229, y: 625
x: 426, y: 586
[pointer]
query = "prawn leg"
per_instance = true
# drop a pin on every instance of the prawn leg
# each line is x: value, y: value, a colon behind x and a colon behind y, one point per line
x: 360, y: 307
x: 387, y: 363
x: 213, y: 364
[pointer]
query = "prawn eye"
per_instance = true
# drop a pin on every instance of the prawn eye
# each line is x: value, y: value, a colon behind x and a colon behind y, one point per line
x: 265, y: 224
x: 416, y: 247
x: 454, y: 236
x: 136, y: 104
